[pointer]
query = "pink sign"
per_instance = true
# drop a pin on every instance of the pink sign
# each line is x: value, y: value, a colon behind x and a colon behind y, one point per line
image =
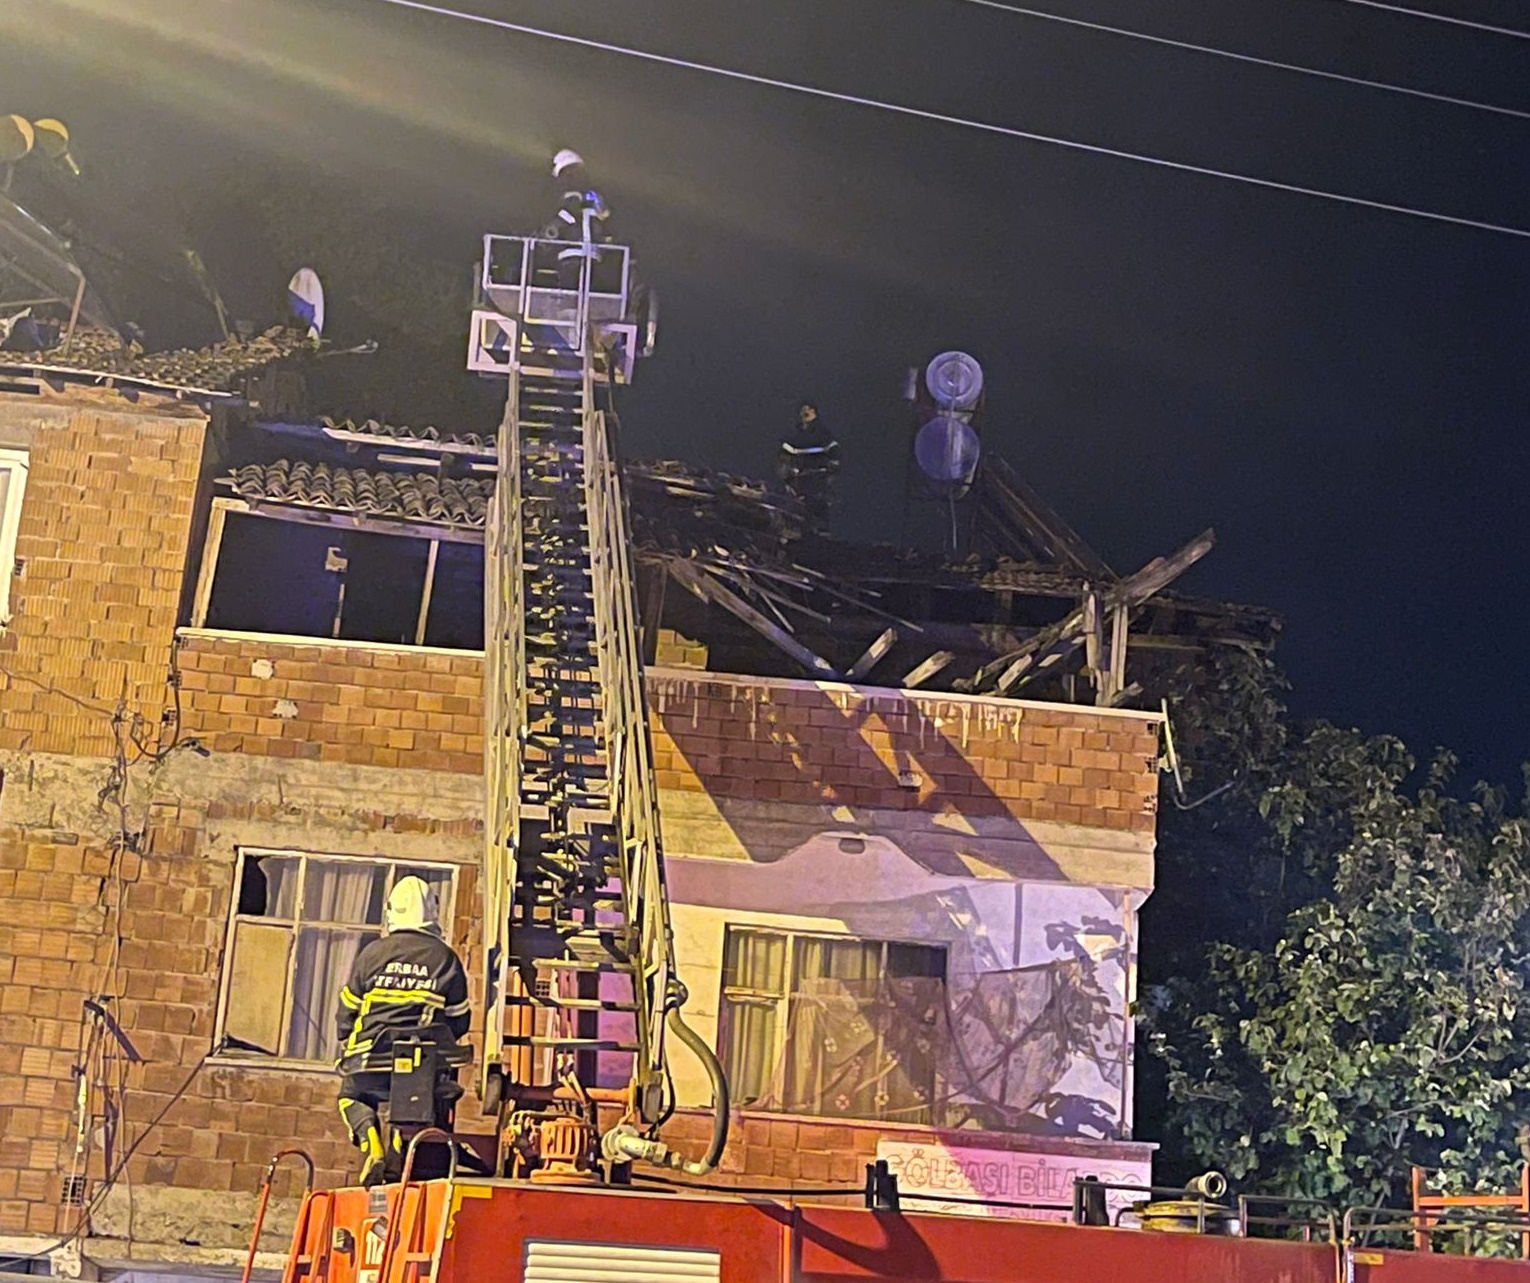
x: 1003, y: 1175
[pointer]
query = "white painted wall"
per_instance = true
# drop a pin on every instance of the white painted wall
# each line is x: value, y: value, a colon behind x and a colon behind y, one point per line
x: 871, y: 889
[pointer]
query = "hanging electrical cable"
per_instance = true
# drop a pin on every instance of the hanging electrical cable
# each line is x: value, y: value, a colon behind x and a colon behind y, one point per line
x: 1252, y: 59
x: 1469, y: 23
x: 943, y: 118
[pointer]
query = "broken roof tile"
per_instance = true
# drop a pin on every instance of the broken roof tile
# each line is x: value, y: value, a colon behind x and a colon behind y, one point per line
x: 408, y: 496
x: 218, y: 368
x: 406, y: 434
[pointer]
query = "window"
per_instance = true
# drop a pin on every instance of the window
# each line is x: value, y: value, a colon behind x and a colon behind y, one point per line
x: 831, y: 1026
x: 265, y: 574
x: 297, y: 925
x: 13, y: 485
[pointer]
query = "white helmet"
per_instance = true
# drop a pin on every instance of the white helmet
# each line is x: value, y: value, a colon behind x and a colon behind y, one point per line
x: 412, y: 906
x: 566, y: 159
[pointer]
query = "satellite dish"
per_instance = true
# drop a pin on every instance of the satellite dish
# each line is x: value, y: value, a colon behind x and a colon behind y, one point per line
x: 53, y: 142
x: 16, y: 138
x: 955, y: 380
x: 305, y: 296
x: 946, y: 449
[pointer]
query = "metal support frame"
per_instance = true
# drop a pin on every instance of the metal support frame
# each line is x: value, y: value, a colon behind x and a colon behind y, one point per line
x: 1431, y: 1210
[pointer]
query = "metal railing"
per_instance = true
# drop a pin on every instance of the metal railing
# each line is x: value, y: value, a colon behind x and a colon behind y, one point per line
x: 504, y: 720
x: 1304, y: 1215
x: 1364, y: 1226
x: 265, y: 1201
x: 406, y: 1232
x: 1354, y: 1229
x: 634, y: 794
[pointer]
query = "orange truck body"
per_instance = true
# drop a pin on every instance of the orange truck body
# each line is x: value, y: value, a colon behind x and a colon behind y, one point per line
x: 497, y: 1231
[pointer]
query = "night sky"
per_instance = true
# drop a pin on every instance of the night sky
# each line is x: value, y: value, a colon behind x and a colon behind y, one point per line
x: 1341, y: 393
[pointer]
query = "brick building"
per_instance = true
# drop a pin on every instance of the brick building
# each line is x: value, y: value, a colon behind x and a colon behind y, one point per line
x: 906, y: 918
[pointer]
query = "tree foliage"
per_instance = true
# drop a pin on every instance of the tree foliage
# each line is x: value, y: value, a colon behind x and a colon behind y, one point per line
x: 1361, y: 1006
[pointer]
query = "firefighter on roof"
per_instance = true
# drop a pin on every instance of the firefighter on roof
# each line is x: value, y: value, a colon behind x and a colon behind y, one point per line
x: 407, y: 982
x: 809, y: 464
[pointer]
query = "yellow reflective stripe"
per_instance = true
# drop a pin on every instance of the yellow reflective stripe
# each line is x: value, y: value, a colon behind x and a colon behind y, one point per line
x: 399, y: 997
x: 349, y: 999
x: 427, y: 998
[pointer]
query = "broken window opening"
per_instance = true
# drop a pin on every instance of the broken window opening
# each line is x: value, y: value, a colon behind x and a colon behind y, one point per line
x: 298, y: 922
x: 269, y: 575
x: 455, y: 617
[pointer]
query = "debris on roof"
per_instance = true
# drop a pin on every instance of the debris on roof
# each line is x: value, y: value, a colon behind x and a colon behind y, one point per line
x: 1033, y: 611
x: 102, y: 355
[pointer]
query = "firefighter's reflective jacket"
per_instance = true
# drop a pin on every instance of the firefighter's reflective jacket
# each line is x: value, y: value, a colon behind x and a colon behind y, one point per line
x: 406, y: 982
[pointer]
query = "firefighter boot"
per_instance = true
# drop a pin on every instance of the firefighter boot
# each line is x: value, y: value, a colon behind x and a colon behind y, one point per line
x: 371, y: 1158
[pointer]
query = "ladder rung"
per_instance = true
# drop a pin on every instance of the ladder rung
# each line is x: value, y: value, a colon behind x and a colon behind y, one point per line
x: 572, y: 1004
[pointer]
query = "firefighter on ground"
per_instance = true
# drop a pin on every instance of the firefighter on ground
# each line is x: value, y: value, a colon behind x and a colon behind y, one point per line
x: 809, y: 465
x: 407, y: 982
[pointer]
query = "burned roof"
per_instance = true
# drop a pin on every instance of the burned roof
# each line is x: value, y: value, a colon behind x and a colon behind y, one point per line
x: 678, y: 480
x: 1031, y: 609
x: 221, y: 367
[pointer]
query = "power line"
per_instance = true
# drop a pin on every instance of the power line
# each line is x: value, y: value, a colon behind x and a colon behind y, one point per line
x: 1441, y: 17
x: 1215, y: 52
x: 982, y: 126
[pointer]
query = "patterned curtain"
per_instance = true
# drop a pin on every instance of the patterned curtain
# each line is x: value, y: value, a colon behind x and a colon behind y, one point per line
x: 333, y: 892
x: 977, y: 1051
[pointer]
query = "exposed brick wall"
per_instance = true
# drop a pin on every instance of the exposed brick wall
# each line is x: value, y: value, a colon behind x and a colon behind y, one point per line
x: 58, y: 946
x: 726, y: 736
x: 801, y: 742
x: 363, y: 705
x: 102, y: 549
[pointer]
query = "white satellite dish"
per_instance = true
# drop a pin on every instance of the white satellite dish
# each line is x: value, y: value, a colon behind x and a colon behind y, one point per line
x: 946, y: 449
x: 305, y: 296
x: 955, y: 380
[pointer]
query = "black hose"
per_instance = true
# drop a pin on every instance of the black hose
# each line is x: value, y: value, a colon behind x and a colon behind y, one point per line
x: 720, y: 1103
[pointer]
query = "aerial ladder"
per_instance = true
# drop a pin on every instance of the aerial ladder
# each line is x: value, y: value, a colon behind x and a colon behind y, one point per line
x: 577, y: 945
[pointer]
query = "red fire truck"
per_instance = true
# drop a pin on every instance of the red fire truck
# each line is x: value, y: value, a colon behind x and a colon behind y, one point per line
x: 473, y: 1230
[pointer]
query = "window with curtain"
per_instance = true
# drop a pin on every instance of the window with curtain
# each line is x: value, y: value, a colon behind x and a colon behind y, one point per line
x: 832, y: 1026
x: 298, y: 922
